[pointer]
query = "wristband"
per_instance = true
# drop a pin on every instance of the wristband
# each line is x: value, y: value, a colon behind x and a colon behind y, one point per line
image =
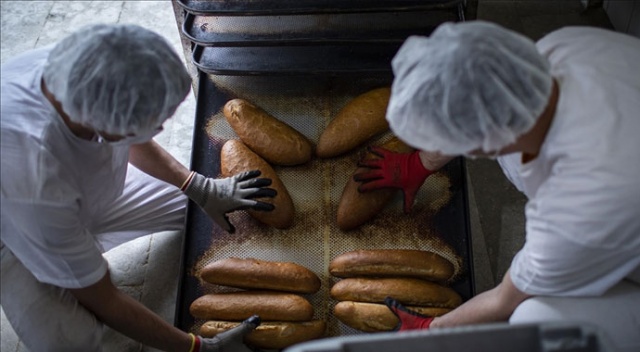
x: 186, y: 182
x: 196, y: 343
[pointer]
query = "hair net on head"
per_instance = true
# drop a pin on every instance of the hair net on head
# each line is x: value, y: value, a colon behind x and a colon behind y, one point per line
x: 119, y: 79
x: 467, y: 86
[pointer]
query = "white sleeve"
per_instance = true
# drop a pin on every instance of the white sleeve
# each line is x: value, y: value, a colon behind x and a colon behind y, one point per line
x: 51, y: 242
x: 581, y: 238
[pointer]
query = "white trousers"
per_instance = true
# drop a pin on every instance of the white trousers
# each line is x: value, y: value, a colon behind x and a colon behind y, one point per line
x: 616, y: 313
x: 49, y: 318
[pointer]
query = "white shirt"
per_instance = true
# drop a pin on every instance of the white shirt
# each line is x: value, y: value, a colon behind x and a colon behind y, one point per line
x: 583, y: 213
x: 54, y: 184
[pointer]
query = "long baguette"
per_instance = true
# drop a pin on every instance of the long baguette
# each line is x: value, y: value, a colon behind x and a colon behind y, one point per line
x: 373, y: 317
x: 356, y: 208
x: 358, y: 121
x: 392, y: 262
x: 253, y: 273
x: 271, y: 335
x: 408, y: 291
x: 272, y: 139
x: 236, y: 157
x: 268, y: 305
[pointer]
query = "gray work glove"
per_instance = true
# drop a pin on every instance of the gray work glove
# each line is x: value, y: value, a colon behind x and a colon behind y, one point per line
x: 217, y: 197
x: 231, y: 340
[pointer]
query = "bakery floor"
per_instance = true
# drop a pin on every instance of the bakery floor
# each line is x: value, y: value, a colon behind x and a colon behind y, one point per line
x: 148, y: 268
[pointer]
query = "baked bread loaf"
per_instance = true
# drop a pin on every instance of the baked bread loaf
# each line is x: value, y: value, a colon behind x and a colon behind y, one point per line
x: 373, y: 317
x: 236, y: 157
x: 272, y: 139
x: 269, y: 305
x: 358, y: 121
x: 253, y: 273
x: 357, y: 208
x: 271, y: 335
x: 408, y: 291
x: 392, y: 262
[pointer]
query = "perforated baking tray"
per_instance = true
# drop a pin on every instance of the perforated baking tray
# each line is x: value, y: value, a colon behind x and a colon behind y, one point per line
x: 273, y: 7
x: 438, y: 222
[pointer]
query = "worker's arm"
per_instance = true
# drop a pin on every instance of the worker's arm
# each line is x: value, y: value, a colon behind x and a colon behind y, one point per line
x: 154, y: 160
x: 434, y: 161
x: 130, y: 317
x: 491, y: 306
x: 494, y: 305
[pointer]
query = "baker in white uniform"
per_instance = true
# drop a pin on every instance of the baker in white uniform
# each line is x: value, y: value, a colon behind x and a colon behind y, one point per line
x: 81, y: 173
x: 563, y: 114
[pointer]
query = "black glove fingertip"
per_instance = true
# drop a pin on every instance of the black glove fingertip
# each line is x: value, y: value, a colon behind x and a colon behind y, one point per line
x: 232, y: 229
x: 249, y: 174
x: 391, y: 303
x: 264, y: 192
x: 259, y: 182
x: 254, y: 320
x: 263, y: 206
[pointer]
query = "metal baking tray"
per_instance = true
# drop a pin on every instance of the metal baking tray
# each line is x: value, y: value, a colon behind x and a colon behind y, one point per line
x: 316, y: 28
x: 308, y: 105
x: 274, y: 7
x: 355, y: 58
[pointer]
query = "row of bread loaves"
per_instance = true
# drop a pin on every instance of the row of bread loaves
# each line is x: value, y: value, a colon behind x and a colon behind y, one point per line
x: 414, y: 278
x: 271, y: 291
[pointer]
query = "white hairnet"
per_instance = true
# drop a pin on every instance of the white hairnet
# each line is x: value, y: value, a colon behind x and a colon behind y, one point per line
x: 118, y: 79
x: 468, y: 86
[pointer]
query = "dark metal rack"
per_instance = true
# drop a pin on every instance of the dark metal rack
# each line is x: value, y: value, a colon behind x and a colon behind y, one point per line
x: 245, y: 37
x: 279, y: 7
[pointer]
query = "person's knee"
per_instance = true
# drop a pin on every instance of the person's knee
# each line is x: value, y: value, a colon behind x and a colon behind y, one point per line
x: 66, y: 338
x: 531, y: 310
x: 613, y: 313
x: 64, y: 327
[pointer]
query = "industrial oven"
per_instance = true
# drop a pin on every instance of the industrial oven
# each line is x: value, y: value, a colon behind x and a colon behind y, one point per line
x: 301, y: 61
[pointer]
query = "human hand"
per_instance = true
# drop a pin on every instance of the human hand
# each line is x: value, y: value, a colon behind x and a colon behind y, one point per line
x: 230, y: 340
x: 393, y: 170
x: 409, y: 320
x: 217, y: 197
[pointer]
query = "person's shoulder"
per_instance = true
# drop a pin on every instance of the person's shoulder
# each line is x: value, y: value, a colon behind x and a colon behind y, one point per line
x: 577, y: 33
x: 25, y: 61
x: 29, y: 169
x: 20, y: 83
x: 586, y: 41
x: 592, y: 55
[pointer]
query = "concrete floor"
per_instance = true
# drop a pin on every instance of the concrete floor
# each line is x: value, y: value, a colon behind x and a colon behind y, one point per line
x: 147, y: 268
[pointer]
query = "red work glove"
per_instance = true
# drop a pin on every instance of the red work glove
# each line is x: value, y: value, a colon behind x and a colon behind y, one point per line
x: 408, y: 320
x: 393, y: 170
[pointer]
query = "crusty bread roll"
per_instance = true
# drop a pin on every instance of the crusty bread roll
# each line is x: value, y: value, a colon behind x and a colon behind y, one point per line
x: 269, y: 305
x: 408, y: 291
x: 271, y: 335
x: 253, y: 273
x: 373, y: 317
x: 236, y: 157
x: 272, y: 139
x: 392, y: 262
x: 358, y: 121
x: 356, y: 208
